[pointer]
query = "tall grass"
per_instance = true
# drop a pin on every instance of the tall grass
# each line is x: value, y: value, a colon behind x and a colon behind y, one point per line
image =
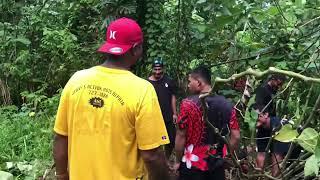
x: 25, y: 142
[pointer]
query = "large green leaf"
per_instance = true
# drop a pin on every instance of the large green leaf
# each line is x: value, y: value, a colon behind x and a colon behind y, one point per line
x: 272, y: 11
x: 311, y: 167
x: 308, y: 139
x: 22, y: 40
x: 251, y: 119
x: 300, y: 3
x: 254, y: 114
x: 286, y: 134
x: 5, y: 176
x: 221, y: 21
x: 317, y: 149
x: 251, y: 101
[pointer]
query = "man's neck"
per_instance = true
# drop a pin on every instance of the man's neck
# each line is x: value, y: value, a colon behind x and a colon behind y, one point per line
x: 152, y: 78
x: 115, y: 65
x: 206, y: 89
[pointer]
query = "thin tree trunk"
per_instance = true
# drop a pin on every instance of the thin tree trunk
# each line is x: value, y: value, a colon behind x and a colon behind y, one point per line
x: 5, y: 93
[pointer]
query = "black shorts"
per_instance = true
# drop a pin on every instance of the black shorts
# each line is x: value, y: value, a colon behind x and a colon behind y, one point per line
x: 275, y: 146
x: 171, y: 129
x: 195, y: 174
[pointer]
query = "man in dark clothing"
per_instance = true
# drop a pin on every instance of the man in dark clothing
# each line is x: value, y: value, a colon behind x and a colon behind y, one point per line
x: 166, y: 91
x: 266, y: 91
x: 278, y: 149
x: 199, y: 151
x: 264, y: 95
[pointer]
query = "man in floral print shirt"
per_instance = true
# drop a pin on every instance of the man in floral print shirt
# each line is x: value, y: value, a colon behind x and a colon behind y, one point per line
x: 199, y: 152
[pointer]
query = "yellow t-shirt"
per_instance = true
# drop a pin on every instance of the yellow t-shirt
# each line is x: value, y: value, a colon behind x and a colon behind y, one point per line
x: 108, y: 114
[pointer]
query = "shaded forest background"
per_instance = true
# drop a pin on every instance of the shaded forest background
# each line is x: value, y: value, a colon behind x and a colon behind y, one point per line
x: 43, y: 42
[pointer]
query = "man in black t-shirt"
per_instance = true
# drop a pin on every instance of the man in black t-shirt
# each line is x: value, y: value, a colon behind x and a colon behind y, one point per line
x: 264, y: 95
x: 166, y: 91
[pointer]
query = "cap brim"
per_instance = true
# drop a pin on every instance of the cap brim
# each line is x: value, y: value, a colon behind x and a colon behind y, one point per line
x: 115, y: 49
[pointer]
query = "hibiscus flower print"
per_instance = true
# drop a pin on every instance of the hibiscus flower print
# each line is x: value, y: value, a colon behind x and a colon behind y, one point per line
x: 188, y: 157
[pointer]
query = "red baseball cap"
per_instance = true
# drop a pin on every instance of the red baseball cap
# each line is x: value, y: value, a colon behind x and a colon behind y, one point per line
x: 122, y: 34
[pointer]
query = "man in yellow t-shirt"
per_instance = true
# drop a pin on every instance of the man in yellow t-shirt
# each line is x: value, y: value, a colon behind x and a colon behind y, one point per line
x: 109, y: 123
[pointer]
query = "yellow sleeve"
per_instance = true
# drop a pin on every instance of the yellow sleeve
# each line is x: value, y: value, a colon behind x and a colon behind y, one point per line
x: 61, y: 122
x: 150, y: 128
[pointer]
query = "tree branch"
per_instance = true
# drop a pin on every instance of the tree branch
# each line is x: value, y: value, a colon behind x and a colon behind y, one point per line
x: 271, y: 70
x: 314, y: 110
x: 309, y: 21
x: 284, y: 162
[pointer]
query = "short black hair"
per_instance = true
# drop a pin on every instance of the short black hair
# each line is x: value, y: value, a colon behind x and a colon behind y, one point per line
x: 280, y: 77
x: 202, y: 72
x: 258, y: 107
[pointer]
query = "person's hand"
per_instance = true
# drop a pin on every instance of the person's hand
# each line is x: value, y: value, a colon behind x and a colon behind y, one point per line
x: 174, y: 168
x: 175, y: 118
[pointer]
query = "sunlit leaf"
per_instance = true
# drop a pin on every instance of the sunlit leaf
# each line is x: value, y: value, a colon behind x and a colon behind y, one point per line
x: 317, y: 150
x: 201, y: 1
x: 300, y: 3
x: 311, y: 167
x: 5, y: 175
x: 286, y: 134
x: 308, y: 139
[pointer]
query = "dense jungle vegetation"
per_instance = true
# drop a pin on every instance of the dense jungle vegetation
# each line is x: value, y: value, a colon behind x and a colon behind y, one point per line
x: 43, y: 42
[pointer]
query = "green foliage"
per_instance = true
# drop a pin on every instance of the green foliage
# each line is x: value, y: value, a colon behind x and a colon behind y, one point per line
x: 25, y: 139
x: 308, y: 139
x: 26, y: 136
x: 311, y: 167
x: 45, y: 42
x: 251, y: 116
x: 286, y: 134
x: 5, y: 175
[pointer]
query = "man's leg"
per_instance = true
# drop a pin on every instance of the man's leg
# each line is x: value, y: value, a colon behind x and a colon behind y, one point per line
x: 279, y: 150
x: 261, y: 156
x: 171, y: 133
x: 276, y: 160
x: 262, y: 143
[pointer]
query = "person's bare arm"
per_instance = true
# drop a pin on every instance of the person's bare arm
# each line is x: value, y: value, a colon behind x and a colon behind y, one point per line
x: 174, y: 107
x: 234, y: 139
x: 60, y: 155
x: 180, y: 143
x: 156, y: 164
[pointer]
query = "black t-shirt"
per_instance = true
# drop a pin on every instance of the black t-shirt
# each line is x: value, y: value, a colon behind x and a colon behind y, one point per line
x: 165, y: 88
x: 264, y: 95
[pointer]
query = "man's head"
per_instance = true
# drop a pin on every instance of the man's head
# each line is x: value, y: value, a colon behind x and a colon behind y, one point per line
x: 276, y: 81
x: 199, y: 79
x: 124, y: 40
x: 157, y: 69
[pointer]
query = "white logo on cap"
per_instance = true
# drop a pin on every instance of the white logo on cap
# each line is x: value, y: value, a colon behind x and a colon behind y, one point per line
x: 116, y: 50
x: 112, y: 35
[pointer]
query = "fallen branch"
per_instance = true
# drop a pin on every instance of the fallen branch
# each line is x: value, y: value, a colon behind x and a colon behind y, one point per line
x: 271, y: 70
